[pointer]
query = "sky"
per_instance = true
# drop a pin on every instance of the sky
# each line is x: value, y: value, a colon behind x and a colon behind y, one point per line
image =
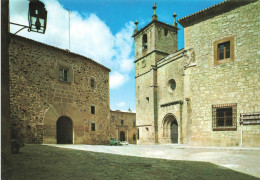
x: 102, y: 30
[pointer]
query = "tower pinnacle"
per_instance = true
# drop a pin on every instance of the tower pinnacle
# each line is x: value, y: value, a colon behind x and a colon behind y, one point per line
x: 155, y: 17
x: 136, y: 28
x: 175, y: 22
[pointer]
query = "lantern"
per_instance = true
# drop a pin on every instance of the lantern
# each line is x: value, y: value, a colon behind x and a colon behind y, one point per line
x: 37, y: 16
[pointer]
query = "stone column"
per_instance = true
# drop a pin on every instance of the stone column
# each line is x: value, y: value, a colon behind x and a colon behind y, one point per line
x: 155, y: 108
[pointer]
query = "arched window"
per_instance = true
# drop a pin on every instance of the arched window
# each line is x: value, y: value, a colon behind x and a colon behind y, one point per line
x: 145, y: 42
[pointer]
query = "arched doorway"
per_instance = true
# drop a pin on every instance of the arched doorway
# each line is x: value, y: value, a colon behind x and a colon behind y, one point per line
x: 170, y: 128
x: 64, y: 130
x: 122, y: 136
x: 174, y: 132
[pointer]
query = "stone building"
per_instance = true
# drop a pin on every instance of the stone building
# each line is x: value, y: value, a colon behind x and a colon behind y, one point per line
x: 207, y: 93
x: 123, y: 126
x: 57, y: 96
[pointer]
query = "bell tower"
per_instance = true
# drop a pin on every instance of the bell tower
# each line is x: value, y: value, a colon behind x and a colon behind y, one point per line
x: 152, y: 43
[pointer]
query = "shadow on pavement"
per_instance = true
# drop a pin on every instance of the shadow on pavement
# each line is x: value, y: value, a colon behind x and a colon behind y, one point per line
x: 45, y: 162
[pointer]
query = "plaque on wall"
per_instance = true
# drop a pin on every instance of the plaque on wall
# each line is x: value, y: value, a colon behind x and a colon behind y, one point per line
x: 250, y: 118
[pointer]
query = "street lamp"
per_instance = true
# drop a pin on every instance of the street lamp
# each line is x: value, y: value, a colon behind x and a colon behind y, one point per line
x: 37, y: 17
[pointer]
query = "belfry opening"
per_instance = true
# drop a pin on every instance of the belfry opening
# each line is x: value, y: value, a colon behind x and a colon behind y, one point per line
x: 64, y: 130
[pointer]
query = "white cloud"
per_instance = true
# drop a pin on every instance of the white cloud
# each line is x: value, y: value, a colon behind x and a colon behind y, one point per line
x: 89, y: 36
x: 117, y: 79
x: 121, y: 104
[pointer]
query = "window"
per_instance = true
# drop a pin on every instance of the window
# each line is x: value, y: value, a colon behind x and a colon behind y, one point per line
x: 92, y: 82
x: 138, y: 134
x: 113, y: 118
x: 133, y: 123
x: 122, y: 122
x: 224, y: 117
x: 93, y: 127
x: 145, y: 42
x: 165, y: 32
x: 171, y: 85
x: 92, y: 109
x: 64, y: 75
x: 224, y: 50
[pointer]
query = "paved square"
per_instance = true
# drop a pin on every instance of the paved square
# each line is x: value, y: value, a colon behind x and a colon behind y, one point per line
x: 245, y: 160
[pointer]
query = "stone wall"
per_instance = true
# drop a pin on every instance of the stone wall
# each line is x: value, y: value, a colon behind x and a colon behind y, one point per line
x: 200, y: 81
x: 128, y: 127
x: 232, y: 82
x: 145, y: 108
x: 39, y: 98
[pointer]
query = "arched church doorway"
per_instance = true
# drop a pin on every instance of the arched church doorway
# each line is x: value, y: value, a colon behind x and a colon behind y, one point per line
x: 122, y: 136
x: 170, y: 128
x: 64, y: 130
x: 174, y: 132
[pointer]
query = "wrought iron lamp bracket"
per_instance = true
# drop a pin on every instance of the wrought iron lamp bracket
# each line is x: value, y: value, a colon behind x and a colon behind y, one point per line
x: 23, y: 27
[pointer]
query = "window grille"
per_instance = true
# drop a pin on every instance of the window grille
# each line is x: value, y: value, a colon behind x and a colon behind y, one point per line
x: 224, y: 117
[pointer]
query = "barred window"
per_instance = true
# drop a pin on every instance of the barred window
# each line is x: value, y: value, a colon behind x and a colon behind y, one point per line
x: 224, y: 117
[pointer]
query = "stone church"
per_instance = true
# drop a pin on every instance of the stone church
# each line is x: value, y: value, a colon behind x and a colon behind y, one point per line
x: 57, y: 96
x: 207, y: 93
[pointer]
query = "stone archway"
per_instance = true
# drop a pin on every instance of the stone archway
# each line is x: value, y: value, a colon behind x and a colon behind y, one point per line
x: 174, y: 132
x: 64, y: 129
x: 170, y: 128
x: 122, y: 136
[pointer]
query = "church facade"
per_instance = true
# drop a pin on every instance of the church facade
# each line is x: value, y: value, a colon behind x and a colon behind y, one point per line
x: 207, y: 93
